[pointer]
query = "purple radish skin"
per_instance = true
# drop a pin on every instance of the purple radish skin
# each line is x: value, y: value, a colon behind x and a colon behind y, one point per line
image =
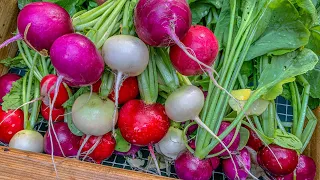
x: 6, y: 84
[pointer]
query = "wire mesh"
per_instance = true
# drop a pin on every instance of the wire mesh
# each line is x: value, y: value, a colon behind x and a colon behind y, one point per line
x: 284, y: 111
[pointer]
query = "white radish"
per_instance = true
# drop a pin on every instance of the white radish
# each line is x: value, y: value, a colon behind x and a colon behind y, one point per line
x: 27, y: 140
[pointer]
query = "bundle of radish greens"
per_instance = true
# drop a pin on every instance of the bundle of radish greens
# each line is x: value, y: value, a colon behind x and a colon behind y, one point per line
x: 193, y: 81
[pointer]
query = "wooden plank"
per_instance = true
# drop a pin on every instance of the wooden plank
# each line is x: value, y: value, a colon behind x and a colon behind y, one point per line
x: 16, y: 164
x: 8, y: 15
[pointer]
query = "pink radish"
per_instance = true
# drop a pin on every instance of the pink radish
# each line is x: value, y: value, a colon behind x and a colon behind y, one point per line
x: 40, y: 24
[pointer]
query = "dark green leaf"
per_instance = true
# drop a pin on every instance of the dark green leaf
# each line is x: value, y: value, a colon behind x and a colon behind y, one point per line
x: 121, y: 144
x: 284, y: 32
x: 222, y: 27
x: 22, y: 3
x: 313, y: 102
x: 16, y: 62
x: 244, y: 137
x: 307, y: 11
x: 286, y: 93
x: 199, y: 10
x: 287, y: 140
x: 71, y: 126
x: 314, y: 41
x: 68, y: 5
x: 69, y: 103
x: 246, y: 68
x: 313, y: 77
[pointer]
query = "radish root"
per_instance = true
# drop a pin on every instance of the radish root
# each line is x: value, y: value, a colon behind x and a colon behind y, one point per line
x: 154, y: 158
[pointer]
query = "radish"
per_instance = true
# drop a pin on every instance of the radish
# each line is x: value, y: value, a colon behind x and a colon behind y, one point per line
x: 132, y: 151
x: 128, y: 56
x: 92, y: 115
x: 68, y: 142
x: 47, y: 86
x: 243, y: 165
x: 172, y: 143
x: 27, y: 140
x: 6, y: 84
x: 129, y: 90
x: 227, y: 140
x: 103, y: 150
x: 277, y: 161
x: 189, y: 167
x: 215, y: 162
x: 57, y: 114
x: 11, y: 122
x: 40, y: 24
x: 76, y: 60
x: 205, y: 47
x: 254, y: 141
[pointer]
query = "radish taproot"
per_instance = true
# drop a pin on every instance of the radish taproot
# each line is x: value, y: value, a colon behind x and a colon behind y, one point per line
x: 277, y: 161
x: 40, y: 24
x: 69, y: 142
x: 92, y: 115
x: 128, y: 56
x: 6, y: 84
x: 189, y: 167
x: 57, y: 114
x: 104, y: 147
x: 27, y: 140
x: 11, y: 122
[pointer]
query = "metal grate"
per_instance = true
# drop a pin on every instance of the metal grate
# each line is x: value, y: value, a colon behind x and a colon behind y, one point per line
x: 284, y: 111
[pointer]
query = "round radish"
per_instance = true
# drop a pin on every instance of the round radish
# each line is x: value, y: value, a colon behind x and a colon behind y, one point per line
x: 27, y: 140
x: 204, y: 45
x: 189, y: 167
x: 57, y: 114
x: 69, y: 142
x: 243, y: 165
x: 92, y: 115
x: 40, y: 24
x: 77, y: 60
x: 129, y: 90
x: 227, y: 140
x: 104, y: 149
x: 142, y: 124
x: 6, y: 84
x: 11, y: 122
x: 254, y: 141
x: 215, y: 162
x: 47, y: 86
x: 287, y: 158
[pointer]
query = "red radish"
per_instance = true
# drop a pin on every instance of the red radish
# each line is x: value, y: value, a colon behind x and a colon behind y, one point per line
x: 99, y: 2
x: 243, y: 165
x: 57, y: 114
x: 128, y: 56
x: 96, y: 86
x: 254, y: 141
x: 204, y: 45
x: 104, y: 149
x: 227, y: 140
x: 47, y: 86
x: 11, y: 122
x: 77, y: 60
x: 6, y: 84
x: 129, y: 90
x: 270, y: 162
x: 189, y: 167
x: 142, y: 124
x: 40, y: 24
x: 69, y: 142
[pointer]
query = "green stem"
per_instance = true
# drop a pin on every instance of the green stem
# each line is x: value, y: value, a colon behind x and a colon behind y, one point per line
x: 125, y: 19
x: 257, y: 123
x: 35, y: 107
x: 44, y: 66
x: 271, y: 121
x: 309, y: 130
x: 305, y: 98
x: 279, y: 123
x: 241, y: 82
x: 294, y: 105
x: 24, y: 100
x: 298, y: 96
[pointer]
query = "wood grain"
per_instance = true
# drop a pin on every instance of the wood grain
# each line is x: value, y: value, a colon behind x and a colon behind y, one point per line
x: 8, y: 15
x: 17, y: 164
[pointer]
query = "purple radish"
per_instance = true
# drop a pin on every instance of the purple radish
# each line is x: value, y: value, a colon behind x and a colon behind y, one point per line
x: 189, y: 167
x: 77, y: 59
x: 68, y: 142
x: 227, y: 140
x: 6, y: 84
x: 40, y: 24
x: 243, y: 165
x: 215, y: 162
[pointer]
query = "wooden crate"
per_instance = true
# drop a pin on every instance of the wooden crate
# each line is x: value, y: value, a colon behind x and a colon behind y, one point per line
x: 17, y: 164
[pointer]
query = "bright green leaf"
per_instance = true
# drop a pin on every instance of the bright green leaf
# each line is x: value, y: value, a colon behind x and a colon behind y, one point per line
x: 313, y: 77
x: 244, y: 137
x: 307, y: 11
x: 314, y: 41
x: 287, y: 140
x: 121, y: 144
x: 274, y: 92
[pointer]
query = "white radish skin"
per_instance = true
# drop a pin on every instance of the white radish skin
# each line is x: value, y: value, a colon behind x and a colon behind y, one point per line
x: 27, y: 140
x: 185, y: 103
x: 172, y: 143
x: 93, y: 116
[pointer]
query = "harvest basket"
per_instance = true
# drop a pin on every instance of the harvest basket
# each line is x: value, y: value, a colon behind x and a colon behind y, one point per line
x: 16, y: 164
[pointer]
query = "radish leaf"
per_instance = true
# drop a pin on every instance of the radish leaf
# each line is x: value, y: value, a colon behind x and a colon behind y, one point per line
x: 287, y: 140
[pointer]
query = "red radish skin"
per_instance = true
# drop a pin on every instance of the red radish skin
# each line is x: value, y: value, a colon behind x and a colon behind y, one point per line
x: 40, y: 24
x: 47, y: 86
x: 57, y: 114
x: 129, y: 90
x: 68, y: 141
x: 254, y: 141
x: 77, y: 60
x: 189, y: 167
x: 143, y: 124
x: 227, y: 140
x: 154, y: 19
x: 287, y: 158
x: 205, y: 46
x: 96, y: 86
x: 6, y: 84
x: 10, y: 123
x: 103, y: 150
